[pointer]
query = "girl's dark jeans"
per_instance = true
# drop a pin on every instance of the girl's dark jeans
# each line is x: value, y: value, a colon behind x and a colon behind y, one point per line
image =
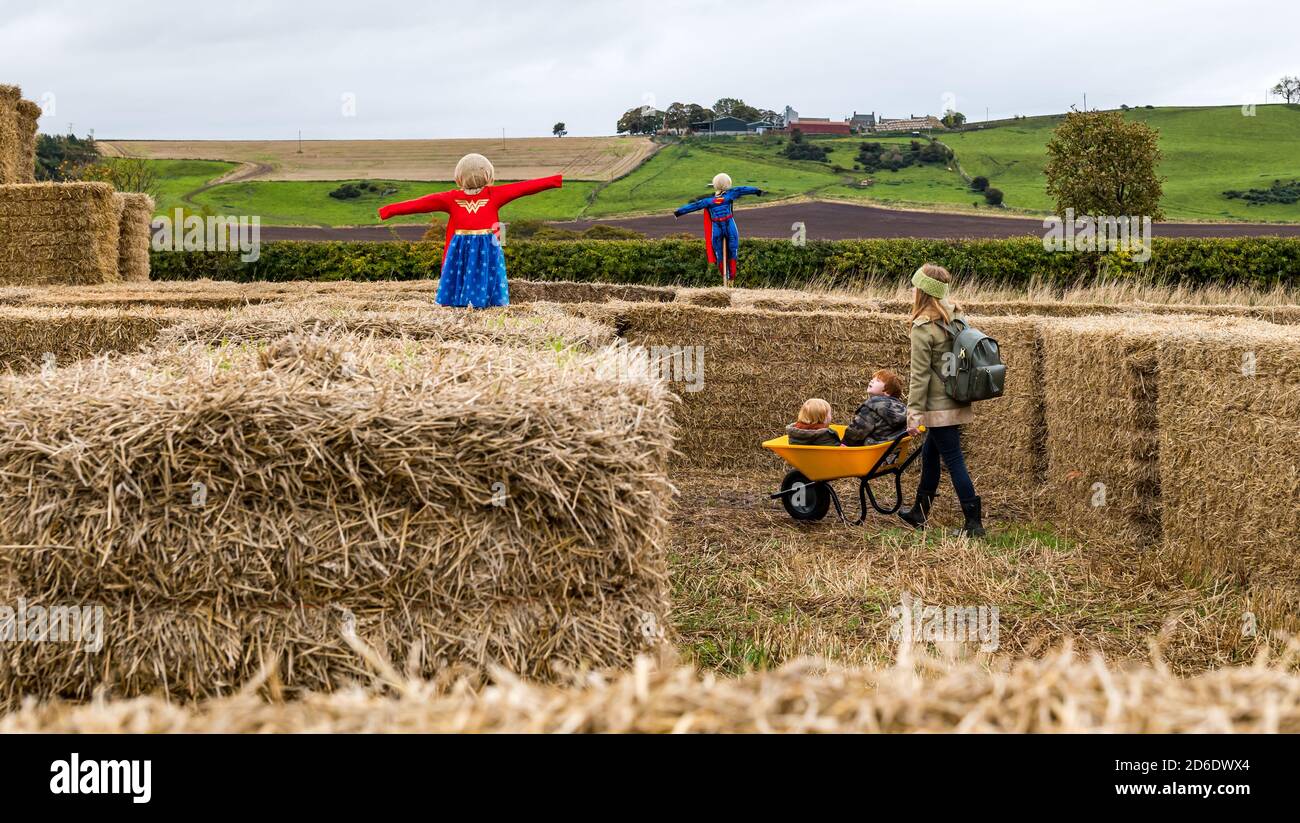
x: 945, y: 442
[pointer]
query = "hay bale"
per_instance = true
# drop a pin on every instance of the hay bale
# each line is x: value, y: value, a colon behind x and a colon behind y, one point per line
x: 203, y: 652
x: 1229, y: 418
x: 537, y: 326
x: 558, y: 291
x: 10, y: 140
x: 54, y: 233
x: 135, y: 240
x: 34, y: 337
x: 1057, y: 693
x: 398, y: 477
x: 28, y: 114
x: 1100, y: 388
x: 715, y: 298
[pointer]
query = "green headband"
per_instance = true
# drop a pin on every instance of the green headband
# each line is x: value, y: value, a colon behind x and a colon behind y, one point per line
x: 935, y: 288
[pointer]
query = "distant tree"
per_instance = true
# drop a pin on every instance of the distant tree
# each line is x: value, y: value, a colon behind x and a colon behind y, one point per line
x: 695, y: 113
x: 641, y: 120
x: 559, y: 130
x: 1289, y: 89
x: 979, y: 183
x: 1099, y: 163
x: 993, y: 196
x: 954, y: 119
x: 677, y: 116
x: 61, y: 158
x: 736, y: 107
x: 129, y: 174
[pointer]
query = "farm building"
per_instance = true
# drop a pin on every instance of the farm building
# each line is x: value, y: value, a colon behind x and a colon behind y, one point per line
x: 909, y: 123
x: 818, y: 125
x: 791, y: 120
x: 862, y: 122
x: 730, y: 125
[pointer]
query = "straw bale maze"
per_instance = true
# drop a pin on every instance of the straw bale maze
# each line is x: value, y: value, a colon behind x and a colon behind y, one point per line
x: 337, y: 506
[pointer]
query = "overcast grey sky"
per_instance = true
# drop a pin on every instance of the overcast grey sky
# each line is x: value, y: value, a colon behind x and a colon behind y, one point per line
x: 245, y: 70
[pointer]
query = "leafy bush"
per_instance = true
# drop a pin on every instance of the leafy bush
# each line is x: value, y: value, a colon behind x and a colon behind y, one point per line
x: 993, y: 196
x: 1259, y: 261
x: 876, y: 156
x: 362, y: 188
x: 800, y: 150
x: 979, y: 183
x: 1279, y: 192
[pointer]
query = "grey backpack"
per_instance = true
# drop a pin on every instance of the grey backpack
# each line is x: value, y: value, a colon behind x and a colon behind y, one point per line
x: 975, y: 371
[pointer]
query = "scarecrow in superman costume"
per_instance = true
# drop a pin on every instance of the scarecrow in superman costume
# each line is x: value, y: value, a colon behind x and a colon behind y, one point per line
x: 720, y: 235
x: 473, y: 266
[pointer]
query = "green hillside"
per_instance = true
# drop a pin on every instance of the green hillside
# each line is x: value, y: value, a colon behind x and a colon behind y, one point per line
x: 1206, y: 151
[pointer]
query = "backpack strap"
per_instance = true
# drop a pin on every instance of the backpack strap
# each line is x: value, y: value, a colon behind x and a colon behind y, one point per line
x: 953, y: 331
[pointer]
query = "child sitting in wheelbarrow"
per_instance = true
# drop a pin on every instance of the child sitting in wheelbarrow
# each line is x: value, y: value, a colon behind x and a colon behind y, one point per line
x: 813, y: 428
x: 882, y: 416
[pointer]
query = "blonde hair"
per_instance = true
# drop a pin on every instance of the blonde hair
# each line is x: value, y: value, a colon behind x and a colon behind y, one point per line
x: 929, y: 307
x: 474, y: 171
x: 721, y: 182
x: 815, y: 410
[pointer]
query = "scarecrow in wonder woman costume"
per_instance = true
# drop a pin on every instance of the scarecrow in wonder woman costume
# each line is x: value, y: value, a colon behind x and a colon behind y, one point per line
x: 473, y: 267
x: 720, y: 235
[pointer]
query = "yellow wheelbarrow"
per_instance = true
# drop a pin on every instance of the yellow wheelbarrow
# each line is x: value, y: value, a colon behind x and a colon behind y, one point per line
x: 807, y: 493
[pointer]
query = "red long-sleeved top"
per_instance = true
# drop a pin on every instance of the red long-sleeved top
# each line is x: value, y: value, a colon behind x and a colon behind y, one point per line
x: 477, y: 211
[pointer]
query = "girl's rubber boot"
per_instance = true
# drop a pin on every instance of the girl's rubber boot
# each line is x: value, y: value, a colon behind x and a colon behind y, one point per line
x: 972, y: 509
x: 916, y: 514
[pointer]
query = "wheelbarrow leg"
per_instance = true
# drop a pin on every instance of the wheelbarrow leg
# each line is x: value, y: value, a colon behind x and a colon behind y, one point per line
x: 839, y: 509
x: 862, y: 502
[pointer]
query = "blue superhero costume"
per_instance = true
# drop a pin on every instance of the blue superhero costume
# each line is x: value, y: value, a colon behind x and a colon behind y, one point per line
x: 720, y: 235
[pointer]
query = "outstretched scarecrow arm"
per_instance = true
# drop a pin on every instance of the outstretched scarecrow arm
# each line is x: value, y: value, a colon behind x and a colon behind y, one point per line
x: 420, y: 205
x: 741, y: 191
x: 510, y: 191
x: 703, y: 202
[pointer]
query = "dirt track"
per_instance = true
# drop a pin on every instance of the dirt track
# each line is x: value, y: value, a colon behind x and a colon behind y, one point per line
x: 824, y: 221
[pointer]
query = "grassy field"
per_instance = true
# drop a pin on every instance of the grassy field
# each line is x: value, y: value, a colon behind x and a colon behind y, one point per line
x: 177, y: 178
x: 309, y: 203
x: 1206, y: 151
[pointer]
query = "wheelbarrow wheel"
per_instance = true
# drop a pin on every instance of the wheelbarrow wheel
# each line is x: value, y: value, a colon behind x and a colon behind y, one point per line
x: 809, y: 503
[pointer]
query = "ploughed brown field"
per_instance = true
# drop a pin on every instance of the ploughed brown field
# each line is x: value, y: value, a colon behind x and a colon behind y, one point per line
x: 577, y: 158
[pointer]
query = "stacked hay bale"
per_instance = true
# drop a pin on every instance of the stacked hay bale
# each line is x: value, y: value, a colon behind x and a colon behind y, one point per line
x: 28, y: 115
x: 1229, y: 417
x: 759, y: 367
x: 133, y: 245
x: 1179, y: 434
x: 1101, y: 390
x: 11, y: 143
x: 70, y: 233
x: 284, y: 502
x: 59, y: 233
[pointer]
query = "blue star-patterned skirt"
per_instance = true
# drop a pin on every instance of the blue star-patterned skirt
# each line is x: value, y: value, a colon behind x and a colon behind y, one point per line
x: 473, y: 272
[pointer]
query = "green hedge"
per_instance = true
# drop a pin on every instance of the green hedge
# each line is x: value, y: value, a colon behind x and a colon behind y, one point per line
x: 1262, y: 261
